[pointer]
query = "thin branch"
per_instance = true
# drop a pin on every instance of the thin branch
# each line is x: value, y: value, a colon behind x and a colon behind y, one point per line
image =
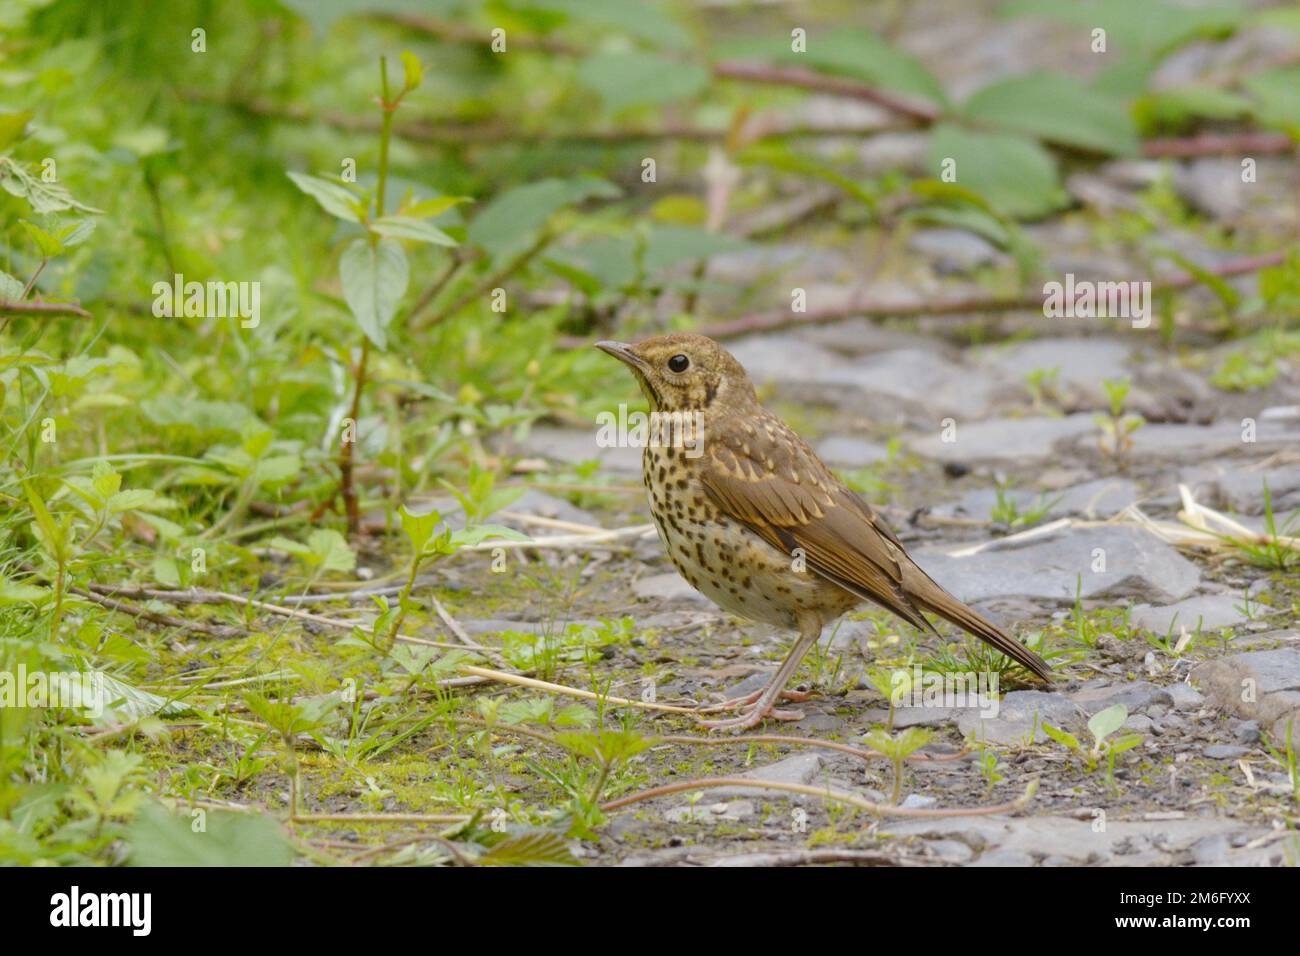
x: 801, y: 78
x: 163, y: 620
x: 960, y: 306
x: 44, y: 308
x: 1216, y: 144
x: 827, y: 793
x: 491, y: 282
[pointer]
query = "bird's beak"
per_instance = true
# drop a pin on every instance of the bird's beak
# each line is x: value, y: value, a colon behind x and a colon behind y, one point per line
x: 623, y: 352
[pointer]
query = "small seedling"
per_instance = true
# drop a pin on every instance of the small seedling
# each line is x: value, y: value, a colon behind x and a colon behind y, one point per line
x: 1102, y: 724
x: 1117, y: 428
x: 897, y: 747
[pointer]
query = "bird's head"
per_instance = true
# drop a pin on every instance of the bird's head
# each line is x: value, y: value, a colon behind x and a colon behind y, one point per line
x: 685, y: 372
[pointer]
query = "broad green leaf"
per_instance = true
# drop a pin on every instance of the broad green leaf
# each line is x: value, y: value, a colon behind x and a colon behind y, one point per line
x: 12, y: 125
x: 1062, y: 737
x: 374, y: 280
x: 419, y: 528
x: 1277, y: 97
x: 1106, y: 722
x: 331, y: 550
x: 48, y: 244
x: 1137, y: 30
x: 508, y: 222
x: 1179, y: 109
x: 17, y: 592
x: 43, y: 197
x: 668, y: 245
x: 105, y: 480
x: 11, y: 290
x: 633, y: 78
x: 408, y: 227
x: 635, y: 18
x: 335, y: 199
x: 856, y: 53
x: 428, y: 208
x: 1056, y: 108
x: 158, y: 837
x: 1016, y: 175
x: 538, y: 848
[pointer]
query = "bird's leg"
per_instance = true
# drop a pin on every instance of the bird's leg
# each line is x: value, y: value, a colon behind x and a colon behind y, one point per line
x: 809, y: 630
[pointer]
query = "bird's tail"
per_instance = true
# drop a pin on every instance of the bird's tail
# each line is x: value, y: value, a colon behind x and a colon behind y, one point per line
x: 939, y: 601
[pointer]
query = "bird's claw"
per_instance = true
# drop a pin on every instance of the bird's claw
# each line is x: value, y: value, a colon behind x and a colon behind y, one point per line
x: 751, y: 718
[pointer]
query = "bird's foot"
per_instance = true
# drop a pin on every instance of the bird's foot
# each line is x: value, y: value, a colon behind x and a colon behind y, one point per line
x: 751, y: 717
x: 735, y: 703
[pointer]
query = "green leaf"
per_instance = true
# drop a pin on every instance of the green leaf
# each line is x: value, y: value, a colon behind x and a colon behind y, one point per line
x: 1062, y: 737
x: 16, y: 592
x: 43, y: 197
x: 412, y: 72
x: 1059, y: 109
x: 158, y: 837
x: 1277, y: 96
x: 537, y: 848
x: 331, y: 550
x: 1133, y: 30
x: 856, y: 53
x: 428, y: 208
x: 1178, y: 109
x: 1014, y: 174
x: 11, y: 289
x: 132, y: 703
x: 509, y: 220
x: 632, y: 78
x: 12, y: 125
x: 105, y: 480
x: 668, y: 245
x: 408, y: 227
x: 419, y: 528
x: 335, y: 199
x: 1106, y: 722
x: 635, y: 18
x: 374, y: 280
x: 49, y: 245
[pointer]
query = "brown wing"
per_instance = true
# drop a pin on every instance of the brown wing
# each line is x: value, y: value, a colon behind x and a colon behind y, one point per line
x: 764, y: 476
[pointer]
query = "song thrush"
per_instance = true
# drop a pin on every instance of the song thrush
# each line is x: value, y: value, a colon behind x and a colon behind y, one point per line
x: 754, y: 520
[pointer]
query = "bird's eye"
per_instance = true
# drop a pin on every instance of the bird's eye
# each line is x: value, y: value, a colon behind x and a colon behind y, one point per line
x: 679, y: 363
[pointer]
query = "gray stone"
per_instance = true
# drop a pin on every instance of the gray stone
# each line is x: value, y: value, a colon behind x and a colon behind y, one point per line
x: 1225, y: 751
x: 575, y: 445
x: 1257, y: 685
x: 1009, y: 841
x: 1242, y: 490
x: 1135, y: 696
x: 1081, y: 364
x: 1185, y: 696
x: 956, y: 250
x: 847, y: 451
x: 1213, y: 186
x: 1010, y: 440
x: 912, y: 380
x: 950, y: 851
x: 802, y: 768
x: 1208, y: 612
x: 918, y: 801
x: 1094, y: 499
x: 669, y: 586
x: 1171, y: 440
x: 1020, y: 717
x: 1058, y: 565
x: 1245, y: 731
